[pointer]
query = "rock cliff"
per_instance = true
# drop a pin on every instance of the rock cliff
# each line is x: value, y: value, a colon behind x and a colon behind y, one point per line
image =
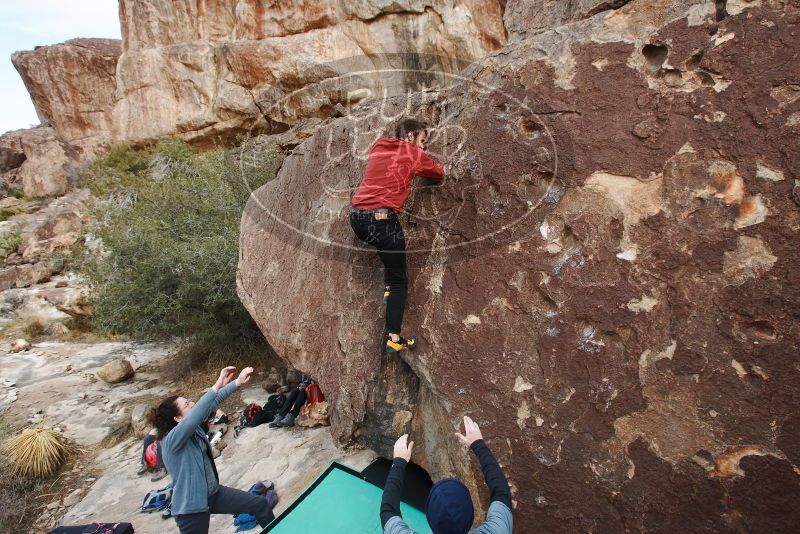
x: 72, y: 87
x: 607, y: 281
x: 209, y: 70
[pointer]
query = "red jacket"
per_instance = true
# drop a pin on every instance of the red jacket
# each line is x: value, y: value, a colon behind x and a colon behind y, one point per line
x: 391, y: 166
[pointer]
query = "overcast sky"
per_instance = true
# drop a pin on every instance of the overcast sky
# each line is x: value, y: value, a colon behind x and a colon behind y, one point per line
x: 28, y: 23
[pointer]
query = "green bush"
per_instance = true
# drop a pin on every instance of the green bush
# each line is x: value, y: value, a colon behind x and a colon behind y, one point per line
x: 168, y: 223
x: 10, y: 241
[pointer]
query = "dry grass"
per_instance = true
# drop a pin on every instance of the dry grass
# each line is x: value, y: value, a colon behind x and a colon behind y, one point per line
x: 33, y: 329
x: 19, y: 497
x: 35, y: 452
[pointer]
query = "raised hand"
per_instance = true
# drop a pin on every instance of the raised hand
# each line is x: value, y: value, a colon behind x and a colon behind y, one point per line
x: 244, y: 376
x: 403, y: 448
x: 471, y: 432
x: 225, y: 376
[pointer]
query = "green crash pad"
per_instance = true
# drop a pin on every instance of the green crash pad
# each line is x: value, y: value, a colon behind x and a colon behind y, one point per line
x: 339, y: 501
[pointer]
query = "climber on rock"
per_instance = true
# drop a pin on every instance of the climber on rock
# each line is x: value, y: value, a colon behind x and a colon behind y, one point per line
x: 375, y: 208
x: 449, y: 507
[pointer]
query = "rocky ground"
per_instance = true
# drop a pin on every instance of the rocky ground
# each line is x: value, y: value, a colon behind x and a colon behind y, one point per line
x: 55, y: 384
x: 291, y: 458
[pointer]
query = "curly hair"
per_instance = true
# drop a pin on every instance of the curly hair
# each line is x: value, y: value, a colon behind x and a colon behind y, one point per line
x: 408, y: 126
x: 165, y: 416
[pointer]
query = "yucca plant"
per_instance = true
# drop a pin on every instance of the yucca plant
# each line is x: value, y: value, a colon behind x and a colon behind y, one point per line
x: 35, y: 452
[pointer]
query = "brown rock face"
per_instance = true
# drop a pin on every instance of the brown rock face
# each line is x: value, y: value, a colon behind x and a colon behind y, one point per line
x: 11, y: 152
x: 606, y: 282
x: 72, y: 87
x: 49, y: 168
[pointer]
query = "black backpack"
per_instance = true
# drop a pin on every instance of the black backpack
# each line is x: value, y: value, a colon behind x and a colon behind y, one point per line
x: 273, y: 404
x: 249, y: 416
x: 254, y: 415
x: 96, y: 528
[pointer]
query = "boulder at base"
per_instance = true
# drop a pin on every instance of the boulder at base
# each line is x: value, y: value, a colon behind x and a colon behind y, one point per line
x: 115, y: 371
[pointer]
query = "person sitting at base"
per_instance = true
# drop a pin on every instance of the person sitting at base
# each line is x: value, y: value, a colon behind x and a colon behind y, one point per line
x: 187, y: 455
x: 152, y: 462
x: 290, y: 410
x: 449, y: 507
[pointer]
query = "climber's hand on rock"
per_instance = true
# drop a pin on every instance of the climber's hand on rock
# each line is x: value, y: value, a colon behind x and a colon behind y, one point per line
x: 471, y: 432
x: 244, y: 376
x: 403, y: 448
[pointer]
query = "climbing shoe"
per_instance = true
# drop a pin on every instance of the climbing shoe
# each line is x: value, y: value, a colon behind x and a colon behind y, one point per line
x: 276, y: 421
x: 286, y: 421
x: 158, y: 475
x: 386, y: 294
x: 401, y: 344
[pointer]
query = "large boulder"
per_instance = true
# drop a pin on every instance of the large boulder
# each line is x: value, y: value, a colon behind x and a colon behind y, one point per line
x: 50, y: 167
x: 28, y: 274
x: 116, y: 371
x: 11, y: 152
x: 52, y: 228
x: 606, y: 282
x: 72, y: 86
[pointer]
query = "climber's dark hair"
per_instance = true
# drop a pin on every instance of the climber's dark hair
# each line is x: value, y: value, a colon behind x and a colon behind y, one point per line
x: 408, y: 126
x: 165, y: 416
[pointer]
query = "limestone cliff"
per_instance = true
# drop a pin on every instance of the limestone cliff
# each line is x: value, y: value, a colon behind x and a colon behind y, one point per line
x: 607, y: 282
x: 209, y: 70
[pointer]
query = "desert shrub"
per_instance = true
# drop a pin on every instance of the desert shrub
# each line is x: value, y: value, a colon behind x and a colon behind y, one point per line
x: 10, y: 241
x: 35, y: 452
x: 168, y: 223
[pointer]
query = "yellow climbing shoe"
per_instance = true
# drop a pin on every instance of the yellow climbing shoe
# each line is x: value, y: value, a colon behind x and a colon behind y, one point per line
x: 401, y: 344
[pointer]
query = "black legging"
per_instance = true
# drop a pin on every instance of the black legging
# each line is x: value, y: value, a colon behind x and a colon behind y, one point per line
x: 226, y: 501
x: 294, y: 402
x: 387, y: 236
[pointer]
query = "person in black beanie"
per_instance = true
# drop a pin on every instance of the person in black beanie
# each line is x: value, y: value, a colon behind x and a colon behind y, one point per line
x: 449, y: 507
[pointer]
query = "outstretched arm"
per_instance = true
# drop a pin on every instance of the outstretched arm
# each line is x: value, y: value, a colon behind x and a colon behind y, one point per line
x: 393, y: 489
x: 495, y: 479
x: 428, y: 168
x: 212, y: 398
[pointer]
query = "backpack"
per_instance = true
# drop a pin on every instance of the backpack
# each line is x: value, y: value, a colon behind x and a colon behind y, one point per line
x: 249, y: 415
x: 96, y: 528
x: 151, y: 455
x: 273, y: 404
x: 252, y: 415
x: 157, y: 500
x: 314, y: 393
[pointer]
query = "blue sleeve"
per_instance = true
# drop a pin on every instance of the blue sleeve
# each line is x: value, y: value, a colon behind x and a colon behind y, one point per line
x: 396, y: 525
x: 499, y: 520
x: 209, y: 402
